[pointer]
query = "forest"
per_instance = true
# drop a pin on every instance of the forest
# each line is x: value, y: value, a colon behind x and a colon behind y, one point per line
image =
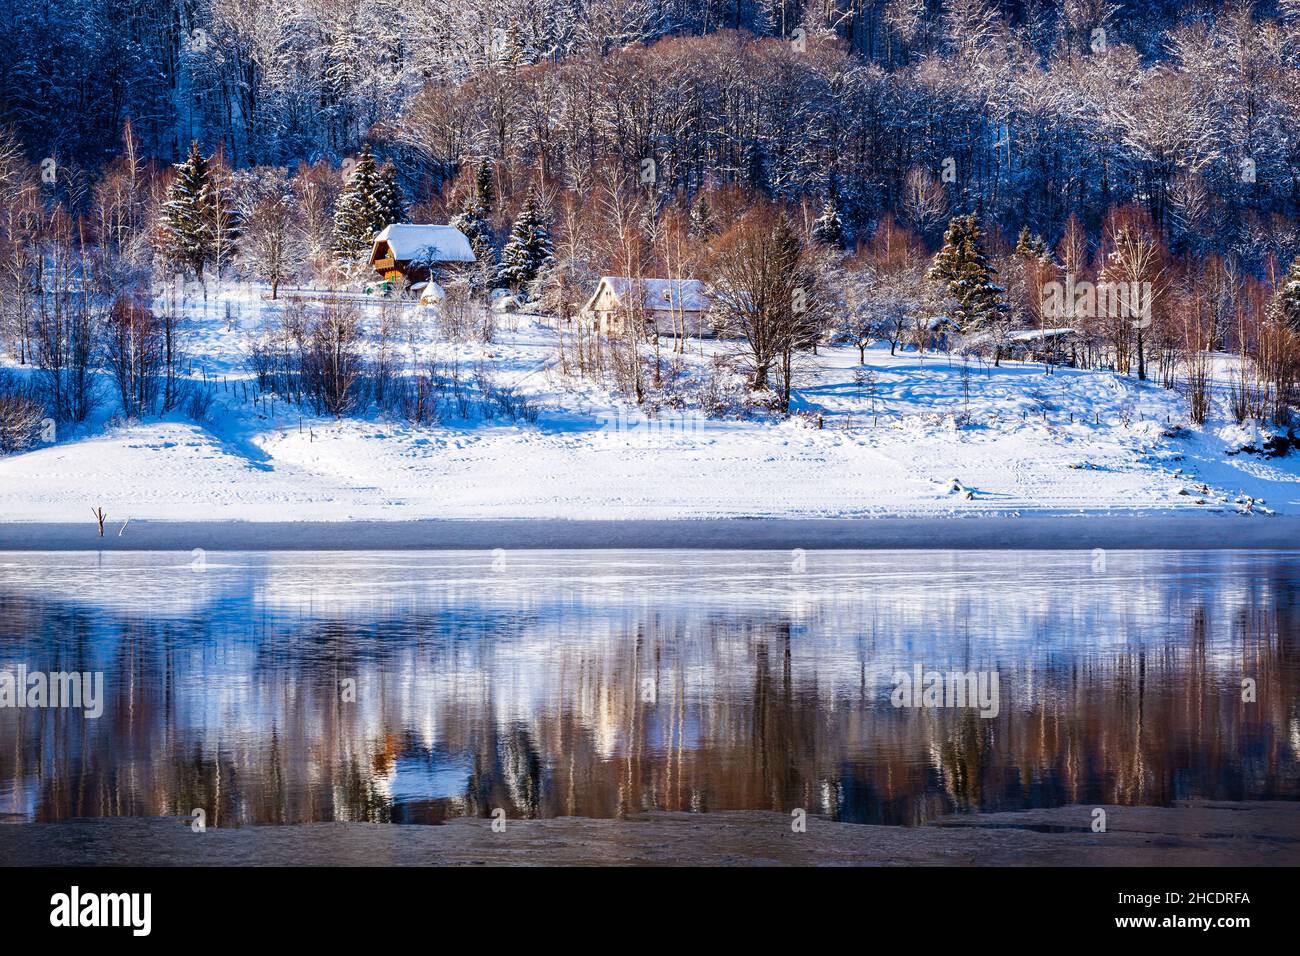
x: 911, y: 171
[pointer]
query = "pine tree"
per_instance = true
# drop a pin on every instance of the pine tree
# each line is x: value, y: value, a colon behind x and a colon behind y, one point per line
x: 963, y: 268
x: 390, y: 204
x: 188, y: 216
x: 1025, y: 242
x: 528, y: 250
x: 370, y: 201
x: 475, y: 221
x: 1030, y: 246
x: 1286, y: 301
x: 514, y: 52
x: 701, y: 218
x: 828, y: 229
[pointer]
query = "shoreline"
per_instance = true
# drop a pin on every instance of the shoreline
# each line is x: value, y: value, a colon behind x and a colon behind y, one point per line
x: 1029, y: 533
x: 1194, y: 833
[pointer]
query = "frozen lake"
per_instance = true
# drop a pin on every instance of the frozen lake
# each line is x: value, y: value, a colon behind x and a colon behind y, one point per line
x: 417, y: 687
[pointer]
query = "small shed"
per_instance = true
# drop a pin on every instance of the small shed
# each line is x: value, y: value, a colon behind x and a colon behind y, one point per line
x: 668, y: 306
x: 413, y: 250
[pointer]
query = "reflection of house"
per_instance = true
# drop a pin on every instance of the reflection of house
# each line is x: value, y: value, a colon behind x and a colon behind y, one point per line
x: 411, y: 251
x: 666, y: 305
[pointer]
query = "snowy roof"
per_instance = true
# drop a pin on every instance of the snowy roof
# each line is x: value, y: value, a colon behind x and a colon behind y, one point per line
x: 1030, y: 335
x: 686, y: 295
x: 424, y: 242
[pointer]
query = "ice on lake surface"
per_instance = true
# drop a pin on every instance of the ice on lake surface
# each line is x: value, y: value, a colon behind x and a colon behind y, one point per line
x: 414, y: 687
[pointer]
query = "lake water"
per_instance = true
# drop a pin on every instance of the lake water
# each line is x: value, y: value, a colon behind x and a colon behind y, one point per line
x: 415, y: 687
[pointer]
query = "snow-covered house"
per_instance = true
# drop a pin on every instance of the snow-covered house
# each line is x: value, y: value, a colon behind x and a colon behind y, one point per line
x: 1043, y: 345
x: 412, y: 250
x: 667, y: 305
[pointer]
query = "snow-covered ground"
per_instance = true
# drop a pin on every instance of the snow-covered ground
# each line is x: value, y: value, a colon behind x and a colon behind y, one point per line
x: 929, y: 437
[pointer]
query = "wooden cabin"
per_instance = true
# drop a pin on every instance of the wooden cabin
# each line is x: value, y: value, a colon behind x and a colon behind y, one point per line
x: 412, y: 251
x: 666, y: 306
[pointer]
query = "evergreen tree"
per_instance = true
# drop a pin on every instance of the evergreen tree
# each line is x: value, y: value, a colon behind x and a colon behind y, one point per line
x: 701, y: 218
x: 1030, y: 246
x: 390, y: 204
x: 188, y: 215
x: 475, y: 221
x: 528, y: 250
x: 370, y: 201
x: 828, y: 229
x: 963, y: 269
x: 1286, y: 301
x: 1025, y: 242
x: 514, y: 52
x: 484, y: 191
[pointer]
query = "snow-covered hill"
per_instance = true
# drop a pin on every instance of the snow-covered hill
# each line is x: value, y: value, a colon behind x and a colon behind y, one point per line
x: 927, y: 435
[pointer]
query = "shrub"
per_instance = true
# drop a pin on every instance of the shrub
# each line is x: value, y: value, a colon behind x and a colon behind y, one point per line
x: 21, y: 415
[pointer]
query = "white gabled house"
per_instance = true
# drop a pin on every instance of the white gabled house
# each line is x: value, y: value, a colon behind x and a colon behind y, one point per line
x: 669, y: 306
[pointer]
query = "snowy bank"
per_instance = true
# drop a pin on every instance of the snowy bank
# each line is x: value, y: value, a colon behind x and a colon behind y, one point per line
x: 907, y: 435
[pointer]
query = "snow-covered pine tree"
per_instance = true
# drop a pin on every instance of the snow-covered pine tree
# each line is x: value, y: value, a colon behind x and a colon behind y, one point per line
x: 390, y: 204
x: 964, y: 269
x: 828, y: 230
x: 1025, y: 242
x: 1286, y: 301
x: 369, y: 202
x: 514, y: 52
x: 1030, y: 246
x: 475, y: 221
x: 701, y: 218
x: 484, y: 191
x: 187, y: 219
x: 529, y: 247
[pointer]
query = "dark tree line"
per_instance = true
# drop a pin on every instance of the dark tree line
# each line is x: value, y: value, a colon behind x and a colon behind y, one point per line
x: 1027, y: 111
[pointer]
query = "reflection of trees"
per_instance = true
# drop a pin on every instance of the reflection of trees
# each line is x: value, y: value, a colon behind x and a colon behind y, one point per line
x: 608, y: 710
x: 507, y: 774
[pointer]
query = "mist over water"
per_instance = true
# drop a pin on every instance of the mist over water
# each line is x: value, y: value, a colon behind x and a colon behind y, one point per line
x: 416, y: 687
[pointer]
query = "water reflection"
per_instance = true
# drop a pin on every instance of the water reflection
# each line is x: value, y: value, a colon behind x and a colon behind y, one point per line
x: 602, y: 683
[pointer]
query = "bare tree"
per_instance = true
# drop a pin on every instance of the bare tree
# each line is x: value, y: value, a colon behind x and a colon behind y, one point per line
x: 316, y: 190
x: 335, y: 365
x: 133, y: 354
x: 65, y: 322
x: 264, y: 206
x: 20, y: 221
x: 765, y: 294
x: 21, y: 414
x: 1135, y: 267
